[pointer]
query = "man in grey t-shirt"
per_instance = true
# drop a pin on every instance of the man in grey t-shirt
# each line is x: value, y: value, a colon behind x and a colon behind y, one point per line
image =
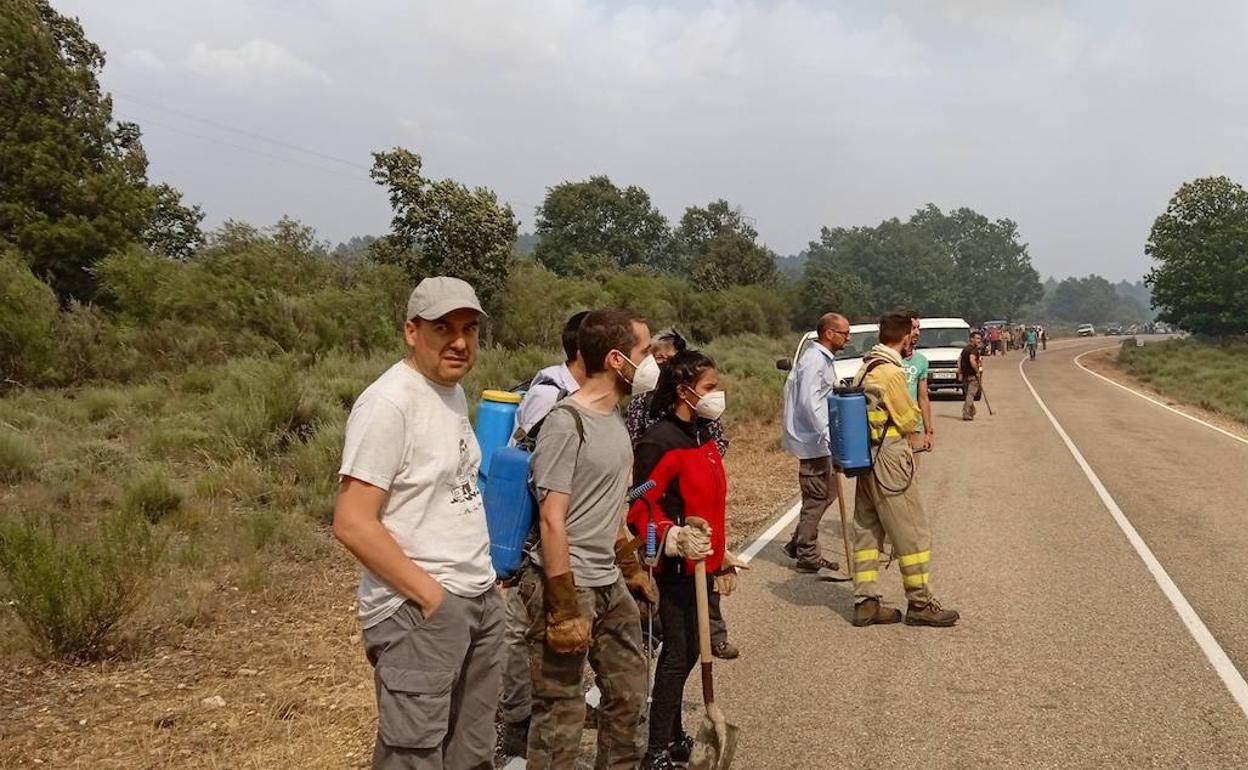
x: 409, y: 509
x: 578, y: 600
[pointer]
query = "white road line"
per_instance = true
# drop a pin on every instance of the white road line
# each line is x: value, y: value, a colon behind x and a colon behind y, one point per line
x: 1150, y: 399
x: 770, y: 534
x: 1217, y: 657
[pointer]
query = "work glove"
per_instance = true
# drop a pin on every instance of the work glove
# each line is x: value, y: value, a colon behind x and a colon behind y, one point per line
x: 639, y: 583
x: 692, y: 541
x: 726, y: 577
x: 567, y: 630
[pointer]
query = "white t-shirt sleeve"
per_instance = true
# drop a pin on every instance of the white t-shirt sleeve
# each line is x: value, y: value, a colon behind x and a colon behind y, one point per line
x: 375, y: 441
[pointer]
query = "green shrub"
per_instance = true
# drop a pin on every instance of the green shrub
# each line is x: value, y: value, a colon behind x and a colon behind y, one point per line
x: 256, y: 405
x: 72, y: 595
x: 152, y: 495
x: 101, y: 402
x: 18, y: 459
x: 28, y: 311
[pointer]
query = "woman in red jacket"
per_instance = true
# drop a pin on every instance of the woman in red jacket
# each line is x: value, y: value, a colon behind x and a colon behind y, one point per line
x: 679, y: 454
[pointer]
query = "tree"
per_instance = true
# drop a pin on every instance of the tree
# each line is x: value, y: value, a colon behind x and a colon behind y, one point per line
x: 73, y: 184
x: 1084, y: 300
x: 994, y: 276
x: 1200, y: 245
x: 896, y: 263
x: 828, y: 286
x: 717, y: 246
x: 589, y: 225
x: 173, y: 229
x: 443, y: 228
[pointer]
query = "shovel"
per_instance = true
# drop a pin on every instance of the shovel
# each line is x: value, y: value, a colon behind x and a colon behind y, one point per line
x: 716, y: 741
x: 984, y: 393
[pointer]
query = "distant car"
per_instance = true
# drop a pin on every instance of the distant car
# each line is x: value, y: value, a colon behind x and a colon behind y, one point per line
x: 1085, y: 330
x: 1113, y: 330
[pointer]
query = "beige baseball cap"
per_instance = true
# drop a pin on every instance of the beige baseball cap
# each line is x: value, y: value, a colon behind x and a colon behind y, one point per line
x: 435, y: 297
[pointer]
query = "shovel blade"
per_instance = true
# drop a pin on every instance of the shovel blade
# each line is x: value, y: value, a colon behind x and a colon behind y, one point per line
x: 714, y: 747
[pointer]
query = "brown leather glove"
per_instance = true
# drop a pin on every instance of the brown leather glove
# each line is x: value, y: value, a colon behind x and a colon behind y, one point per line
x: 726, y: 578
x: 567, y: 630
x: 639, y: 583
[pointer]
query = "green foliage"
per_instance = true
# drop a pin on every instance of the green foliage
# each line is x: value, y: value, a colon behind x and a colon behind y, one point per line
x: 152, y: 495
x: 73, y: 184
x: 72, y: 594
x: 584, y: 227
x: 1200, y: 245
x: 259, y: 406
x: 443, y: 228
x: 717, y: 247
x: 173, y: 229
x: 959, y: 264
x: 28, y: 313
x: 18, y: 459
x: 1212, y: 376
x: 1084, y: 300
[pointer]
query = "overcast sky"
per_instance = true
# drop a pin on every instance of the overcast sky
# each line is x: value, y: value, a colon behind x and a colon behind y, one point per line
x: 1077, y: 120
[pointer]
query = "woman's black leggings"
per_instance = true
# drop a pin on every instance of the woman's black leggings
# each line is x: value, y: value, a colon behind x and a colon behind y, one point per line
x: 678, y: 610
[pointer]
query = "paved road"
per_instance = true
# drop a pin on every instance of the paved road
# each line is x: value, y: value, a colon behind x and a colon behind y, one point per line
x: 1068, y: 654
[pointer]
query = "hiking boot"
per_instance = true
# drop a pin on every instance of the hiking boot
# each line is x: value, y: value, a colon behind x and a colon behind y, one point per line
x: 513, y: 739
x: 930, y: 614
x: 680, y: 749
x: 790, y: 549
x: 725, y: 649
x: 870, y: 612
x: 816, y: 565
x: 657, y: 761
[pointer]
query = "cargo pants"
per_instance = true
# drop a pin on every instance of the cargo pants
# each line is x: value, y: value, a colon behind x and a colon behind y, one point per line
x: 887, y: 503
x: 615, y: 655
x: 968, y: 401
x: 437, y: 683
x: 516, y: 702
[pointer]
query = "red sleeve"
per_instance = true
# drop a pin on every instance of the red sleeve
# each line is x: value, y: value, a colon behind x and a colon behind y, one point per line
x: 667, y: 469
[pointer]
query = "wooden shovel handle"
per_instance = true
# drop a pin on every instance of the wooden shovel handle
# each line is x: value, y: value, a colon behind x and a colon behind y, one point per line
x: 704, y: 631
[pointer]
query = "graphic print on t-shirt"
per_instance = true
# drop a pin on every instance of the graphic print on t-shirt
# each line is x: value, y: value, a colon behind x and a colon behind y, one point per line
x: 465, y: 489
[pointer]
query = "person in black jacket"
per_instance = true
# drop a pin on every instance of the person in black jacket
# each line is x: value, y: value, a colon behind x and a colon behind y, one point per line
x: 688, y: 502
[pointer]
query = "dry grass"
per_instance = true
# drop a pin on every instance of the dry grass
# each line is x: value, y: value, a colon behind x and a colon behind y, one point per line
x: 251, y: 601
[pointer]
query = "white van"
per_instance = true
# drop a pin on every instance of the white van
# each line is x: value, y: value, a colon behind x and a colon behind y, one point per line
x: 941, y: 341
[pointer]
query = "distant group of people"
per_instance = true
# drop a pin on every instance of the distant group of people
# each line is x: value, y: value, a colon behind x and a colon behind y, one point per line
x: 999, y: 339
x: 451, y: 647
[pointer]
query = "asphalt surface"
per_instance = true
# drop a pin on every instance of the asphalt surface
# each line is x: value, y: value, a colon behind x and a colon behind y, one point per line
x: 1068, y: 653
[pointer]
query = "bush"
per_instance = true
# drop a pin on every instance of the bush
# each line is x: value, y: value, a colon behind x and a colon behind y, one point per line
x: 27, y: 313
x: 17, y: 457
x: 258, y: 405
x: 152, y: 495
x: 72, y: 595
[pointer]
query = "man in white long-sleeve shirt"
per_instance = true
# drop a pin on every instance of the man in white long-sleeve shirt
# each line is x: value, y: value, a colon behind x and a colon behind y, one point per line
x: 806, y: 438
x: 552, y: 384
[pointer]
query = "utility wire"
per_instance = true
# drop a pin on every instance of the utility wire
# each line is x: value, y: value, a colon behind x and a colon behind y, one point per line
x: 240, y: 131
x: 262, y: 153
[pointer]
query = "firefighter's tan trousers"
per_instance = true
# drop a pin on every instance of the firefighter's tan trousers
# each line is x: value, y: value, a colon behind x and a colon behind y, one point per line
x: 880, y: 507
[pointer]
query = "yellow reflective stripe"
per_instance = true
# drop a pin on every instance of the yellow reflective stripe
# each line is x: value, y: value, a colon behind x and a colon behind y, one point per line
x: 877, y: 414
x: 867, y: 576
x: 911, y: 559
x: 876, y: 433
x: 867, y: 554
x: 914, y: 581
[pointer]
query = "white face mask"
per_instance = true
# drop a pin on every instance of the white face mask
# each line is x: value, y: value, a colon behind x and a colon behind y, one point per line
x: 645, y: 375
x: 711, y: 406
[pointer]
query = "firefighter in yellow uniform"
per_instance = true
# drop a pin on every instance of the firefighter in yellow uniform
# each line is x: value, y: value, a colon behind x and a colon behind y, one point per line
x: 887, y: 502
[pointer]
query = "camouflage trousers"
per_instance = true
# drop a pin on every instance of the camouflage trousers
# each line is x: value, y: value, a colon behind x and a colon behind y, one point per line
x: 615, y: 655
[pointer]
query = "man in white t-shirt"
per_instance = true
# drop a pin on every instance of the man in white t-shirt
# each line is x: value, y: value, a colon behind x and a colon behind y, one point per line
x: 409, y: 509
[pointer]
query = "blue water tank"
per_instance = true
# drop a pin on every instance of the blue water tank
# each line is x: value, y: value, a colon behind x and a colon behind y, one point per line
x: 510, y: 509
x: 849, y: 432
x: 496, y: 420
